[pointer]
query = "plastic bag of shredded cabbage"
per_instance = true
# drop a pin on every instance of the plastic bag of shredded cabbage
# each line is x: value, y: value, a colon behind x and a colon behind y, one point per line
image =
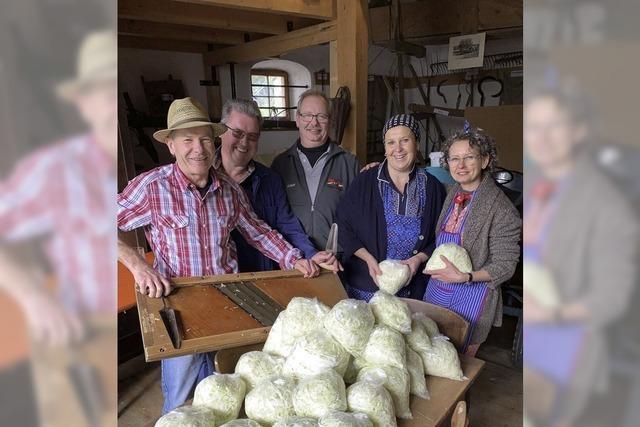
x: 418, y: 338
x: 371, y: 398
x: 256, y: 366
x: 416, y: 372
x: 384, y: 348
x: 317, y: 395
x: 350, y: 322
x: 242, y: 423
x: 222, y: 393
x: 188, y: 416
x: 297, y: 422
x: 301, y: 316
x: 456, y: 254
x: 391, y: 311
x: 397, y: 382
x: 345, y: 419
x: 442, y: 360
x: 394, y: 277
x: 539, y: 285
x: 429, y: 324
x: 314, y: 353
x: 271, y: 400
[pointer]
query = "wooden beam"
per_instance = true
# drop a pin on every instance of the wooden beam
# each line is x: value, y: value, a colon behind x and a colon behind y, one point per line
x: 432, y: 18
x: 274, y: 45
x: 351, y: 52
x: 317, y: 9
x: 129, y: 27
x: 135, y: 42
x: 172, y: 12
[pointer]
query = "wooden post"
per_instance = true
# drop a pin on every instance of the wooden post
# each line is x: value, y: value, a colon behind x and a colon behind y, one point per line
x: 349, y: 67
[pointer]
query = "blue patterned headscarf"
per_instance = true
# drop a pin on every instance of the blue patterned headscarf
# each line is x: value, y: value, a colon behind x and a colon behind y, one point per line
x: 402, y: 120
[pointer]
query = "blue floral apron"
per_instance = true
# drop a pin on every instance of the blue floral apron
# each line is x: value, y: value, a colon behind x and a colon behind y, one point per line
x: 466, y: 299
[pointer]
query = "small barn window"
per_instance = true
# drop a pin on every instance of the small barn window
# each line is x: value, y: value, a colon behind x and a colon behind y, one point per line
x: 270, y: 89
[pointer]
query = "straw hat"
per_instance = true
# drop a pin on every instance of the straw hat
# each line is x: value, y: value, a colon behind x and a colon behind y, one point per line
x: 187, y: 113
x: 97, y: 62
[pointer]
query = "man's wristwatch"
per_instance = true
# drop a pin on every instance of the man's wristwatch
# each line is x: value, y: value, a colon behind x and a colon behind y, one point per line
x: 470, y: 278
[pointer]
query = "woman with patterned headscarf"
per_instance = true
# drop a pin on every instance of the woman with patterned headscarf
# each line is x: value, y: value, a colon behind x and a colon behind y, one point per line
x: 390, y: 212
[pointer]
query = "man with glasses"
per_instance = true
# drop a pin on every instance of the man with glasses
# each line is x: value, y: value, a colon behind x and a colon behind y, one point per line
x: 262, y: 186
x: 316, y: 171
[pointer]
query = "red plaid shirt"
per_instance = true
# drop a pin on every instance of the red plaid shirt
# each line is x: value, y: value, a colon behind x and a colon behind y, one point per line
x: 189, y: 233
x: 64, y: 193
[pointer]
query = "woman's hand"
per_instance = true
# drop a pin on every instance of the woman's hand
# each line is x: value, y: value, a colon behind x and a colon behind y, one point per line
x: 414, y: 262
x: 449, y: 274
x: 374, y: 270
x: 536, y: 313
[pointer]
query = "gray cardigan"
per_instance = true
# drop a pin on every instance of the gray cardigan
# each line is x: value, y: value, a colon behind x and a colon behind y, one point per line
x: 490, y: 236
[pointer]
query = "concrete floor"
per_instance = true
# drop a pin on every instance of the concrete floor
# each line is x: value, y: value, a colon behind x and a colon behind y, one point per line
x: 495, y: 398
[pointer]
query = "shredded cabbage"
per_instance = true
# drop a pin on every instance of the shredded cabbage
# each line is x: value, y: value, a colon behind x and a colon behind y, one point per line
x: 429, y: 324
x: 344, y: 419
x: 456, y: 254
x: 223, y: 394
x: 394, y: 277
x: 302, y: 315
x: 416, y: 372
x: 271, y: 400
x: 385, y: 348
x: 188, y: 416
x: 297, y: 422
x: 540, y: 286
x: 418, y: 338
x: 242, y: 423
x: 398, y: 384
x: 317, y: 395
x: 442, y: 360
x: 391, y: 311
x: 371, y: 398
x: 316, y: 352
x: 256, y: 366
x: 350, y: 322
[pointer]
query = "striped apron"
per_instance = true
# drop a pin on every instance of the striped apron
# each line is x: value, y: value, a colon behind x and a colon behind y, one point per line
x: 466, y: 299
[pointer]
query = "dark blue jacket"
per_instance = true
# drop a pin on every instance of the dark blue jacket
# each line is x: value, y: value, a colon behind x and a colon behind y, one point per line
x: 362, y: 224
x: 269, y: 200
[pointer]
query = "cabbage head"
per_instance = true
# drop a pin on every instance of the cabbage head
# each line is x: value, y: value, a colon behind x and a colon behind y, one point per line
x: 297, y: 422
x: 315, y: 352
x: 442, y: 360
x: 188, y: 416
x: 394, y: 277
x: 397, y: 382
x: 350, y: 322
x: 385, y: 348
x: 456, y: 254
x: 416, y: 372
x: 223, y: 393
x: 345, y: 419
x: 317, y: 395
x: 429, y: 324
x: 371, y: 398
x: 242, y: 423
x: 271, y: 400
x: 391, y: 311
x: 301, y: 316
x: 255, y: 366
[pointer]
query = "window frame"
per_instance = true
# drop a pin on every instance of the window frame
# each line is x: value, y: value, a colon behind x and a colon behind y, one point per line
x: 271, y: 72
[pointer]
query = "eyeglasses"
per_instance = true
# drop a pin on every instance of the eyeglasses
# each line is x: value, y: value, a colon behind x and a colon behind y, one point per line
x: 454, y: 161
x: 240, y: 134
x: 308, y: 117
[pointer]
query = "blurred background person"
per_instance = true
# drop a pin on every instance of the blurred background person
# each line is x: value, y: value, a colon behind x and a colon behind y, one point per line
x: 580, y: 250
x: 478, y: 216
x: 390, y: 212
x: 62, y: 195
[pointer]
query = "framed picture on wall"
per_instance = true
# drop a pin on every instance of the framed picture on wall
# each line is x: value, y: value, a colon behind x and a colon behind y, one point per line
x: 466, y: 51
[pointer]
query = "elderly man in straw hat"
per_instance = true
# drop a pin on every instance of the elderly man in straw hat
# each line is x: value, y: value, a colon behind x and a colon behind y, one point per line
x: 188, y: 211
x: 62, y: 194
